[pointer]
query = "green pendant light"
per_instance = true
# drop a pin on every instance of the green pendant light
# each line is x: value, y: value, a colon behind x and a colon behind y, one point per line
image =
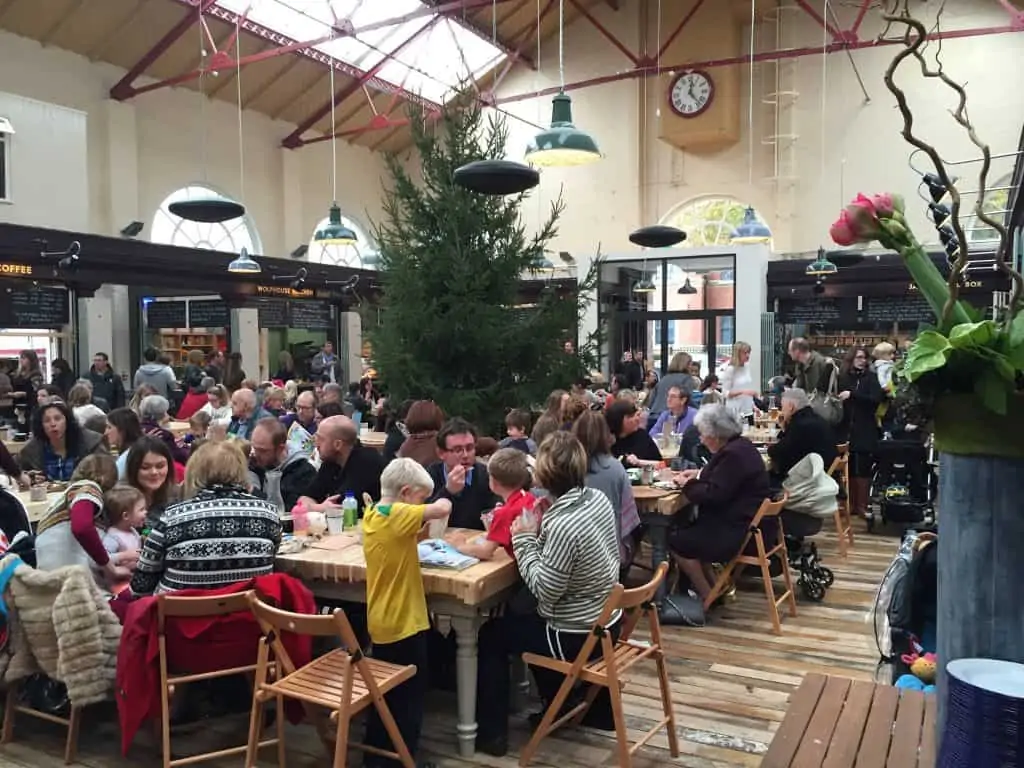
x: 563, y: 144
x: 334, y: 233
x: 821, y: 266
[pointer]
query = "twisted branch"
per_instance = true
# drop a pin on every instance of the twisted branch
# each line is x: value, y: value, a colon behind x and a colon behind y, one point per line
x: 915, y: 38
x: 912, y: 48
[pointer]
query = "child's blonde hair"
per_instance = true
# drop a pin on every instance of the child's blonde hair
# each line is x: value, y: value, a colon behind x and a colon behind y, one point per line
x: 509, y: 467
x: 402, y: 473
x: 120, y: 501
x: 200, y: 419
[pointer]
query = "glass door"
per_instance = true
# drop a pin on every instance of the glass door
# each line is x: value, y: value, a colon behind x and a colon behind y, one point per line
x: 706, y: 336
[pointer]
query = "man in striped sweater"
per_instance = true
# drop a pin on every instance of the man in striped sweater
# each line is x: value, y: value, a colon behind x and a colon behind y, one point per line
x: 569, y: 561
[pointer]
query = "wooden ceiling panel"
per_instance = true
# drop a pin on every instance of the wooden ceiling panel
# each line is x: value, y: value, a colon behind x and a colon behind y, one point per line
x: 277, y: 97
x: 30, y: 20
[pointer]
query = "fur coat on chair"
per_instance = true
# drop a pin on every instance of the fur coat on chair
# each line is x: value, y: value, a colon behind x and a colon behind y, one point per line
x: 811, y: 490
x: 61, y: 625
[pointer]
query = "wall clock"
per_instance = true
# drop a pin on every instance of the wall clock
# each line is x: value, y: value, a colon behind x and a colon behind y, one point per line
x: 691, y: 93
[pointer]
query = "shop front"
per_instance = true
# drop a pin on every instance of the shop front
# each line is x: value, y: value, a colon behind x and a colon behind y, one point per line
x: 170, y: 298
x: 870, y: 301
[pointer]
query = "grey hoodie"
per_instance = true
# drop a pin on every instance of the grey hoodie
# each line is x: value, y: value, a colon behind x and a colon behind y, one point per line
x: 157, y: 375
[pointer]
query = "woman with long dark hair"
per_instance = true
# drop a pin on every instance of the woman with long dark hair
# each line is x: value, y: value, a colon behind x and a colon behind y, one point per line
x: 61, y: 376
x: 58, y: 443
x: 27, y: 379
x: 123, y: 430
x: 151, y: 470
x: 861, y: 394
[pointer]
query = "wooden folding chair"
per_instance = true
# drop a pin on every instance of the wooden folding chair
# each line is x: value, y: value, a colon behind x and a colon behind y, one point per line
x: 840, y: 472
x: 769, y: 509
x: 169, y: 608
x: 607, y: 670
x: 72, y: 722
x: 344, y: 681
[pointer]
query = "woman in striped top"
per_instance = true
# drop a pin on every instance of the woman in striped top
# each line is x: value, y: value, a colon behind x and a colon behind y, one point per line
x: 569, y: 561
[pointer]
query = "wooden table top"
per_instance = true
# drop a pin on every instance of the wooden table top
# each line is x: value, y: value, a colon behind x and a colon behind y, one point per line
x: 373, y: 439
x: 660, y: 500
x: 14, y: 446
x: 36, y: 509
x: 178, y: 428
x: 340, y: 558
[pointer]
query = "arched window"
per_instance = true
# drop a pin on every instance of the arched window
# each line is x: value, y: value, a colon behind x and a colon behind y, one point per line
x: 361, y: 255
x: 228, y: 236
x: 707, y: 220
x: 996, y: 201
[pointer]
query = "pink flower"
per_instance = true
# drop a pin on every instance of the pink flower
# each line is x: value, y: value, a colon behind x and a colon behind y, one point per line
x: 883, y: 205
x: 842, y: 231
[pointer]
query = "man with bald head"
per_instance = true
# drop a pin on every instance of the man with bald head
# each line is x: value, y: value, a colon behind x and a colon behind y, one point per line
x: 346, y: 465
x: 244, y: 414
x: 305, y: 413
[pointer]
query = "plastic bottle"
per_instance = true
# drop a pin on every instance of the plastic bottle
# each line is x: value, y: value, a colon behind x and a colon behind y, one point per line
x: 300, y: 519
x: 350, y: 510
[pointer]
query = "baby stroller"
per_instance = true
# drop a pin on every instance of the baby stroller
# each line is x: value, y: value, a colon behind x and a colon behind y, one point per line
x: 902, y: 484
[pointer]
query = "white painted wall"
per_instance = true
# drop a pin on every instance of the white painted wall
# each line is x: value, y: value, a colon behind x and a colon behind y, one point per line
x: 138, y: 152
x: 844, y: 145
x: 49, y: 173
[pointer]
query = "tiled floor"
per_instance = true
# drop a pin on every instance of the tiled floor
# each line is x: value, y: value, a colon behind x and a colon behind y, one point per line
x: 731, y: 683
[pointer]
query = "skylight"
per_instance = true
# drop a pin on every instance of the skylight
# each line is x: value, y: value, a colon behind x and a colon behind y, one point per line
x: 433, y: 65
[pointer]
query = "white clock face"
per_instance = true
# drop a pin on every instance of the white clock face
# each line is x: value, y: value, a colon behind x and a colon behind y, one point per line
x: 691, y: 94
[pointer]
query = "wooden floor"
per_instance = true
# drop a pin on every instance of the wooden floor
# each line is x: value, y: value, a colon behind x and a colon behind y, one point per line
x: 731, y: 683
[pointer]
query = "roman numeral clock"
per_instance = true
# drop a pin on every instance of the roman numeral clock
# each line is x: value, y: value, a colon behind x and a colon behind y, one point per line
x: 703, y: 114
x: 691, y: 93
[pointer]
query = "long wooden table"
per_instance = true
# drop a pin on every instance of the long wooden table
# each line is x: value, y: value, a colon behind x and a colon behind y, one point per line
x: 335, y: 569
x: 35, y: 509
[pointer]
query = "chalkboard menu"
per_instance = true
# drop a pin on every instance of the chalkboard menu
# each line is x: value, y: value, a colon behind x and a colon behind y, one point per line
x: 816, y: 310
x: 911, y: 309
x: 273, y: 313
x: 310, y: 315
x: 23, y: 305
x: 211, y: 313
x: 166, y: 314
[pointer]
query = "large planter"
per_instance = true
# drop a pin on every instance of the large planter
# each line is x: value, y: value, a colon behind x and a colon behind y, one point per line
x: 981, y: 544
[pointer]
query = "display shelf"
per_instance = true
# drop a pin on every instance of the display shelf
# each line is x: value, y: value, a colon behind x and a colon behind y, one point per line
x: 178, y: 342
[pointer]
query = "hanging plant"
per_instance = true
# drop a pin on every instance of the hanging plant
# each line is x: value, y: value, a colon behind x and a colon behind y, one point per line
x: 966, y: 374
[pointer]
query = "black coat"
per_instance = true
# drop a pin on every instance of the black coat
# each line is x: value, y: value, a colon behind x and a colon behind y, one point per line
x: 805, y: 433
x: 860, y: 423
x: 107, y: 386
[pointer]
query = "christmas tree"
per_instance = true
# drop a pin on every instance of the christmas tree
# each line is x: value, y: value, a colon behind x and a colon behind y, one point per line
x: 449, y: 327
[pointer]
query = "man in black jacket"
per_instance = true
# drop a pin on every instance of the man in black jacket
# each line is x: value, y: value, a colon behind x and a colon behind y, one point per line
x: 106, y: 385
x: 804, y: 432
x: 459, y: 477
x: 270, y: 457
x: 346, y: 465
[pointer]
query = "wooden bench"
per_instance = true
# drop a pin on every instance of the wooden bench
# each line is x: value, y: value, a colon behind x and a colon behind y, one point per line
x: 835, y: 722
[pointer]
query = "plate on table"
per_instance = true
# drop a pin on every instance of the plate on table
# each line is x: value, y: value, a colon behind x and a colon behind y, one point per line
x: 665, y: 485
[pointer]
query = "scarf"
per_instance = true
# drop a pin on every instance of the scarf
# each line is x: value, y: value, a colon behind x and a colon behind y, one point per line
x: 60, y: 511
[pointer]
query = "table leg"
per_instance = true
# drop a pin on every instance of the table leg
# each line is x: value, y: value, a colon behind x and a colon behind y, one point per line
x: 466, y: 628
x: 657, y: 532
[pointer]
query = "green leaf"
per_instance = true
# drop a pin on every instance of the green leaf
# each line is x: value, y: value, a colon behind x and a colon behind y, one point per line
x: 966, y: 335
x: 929, y: 352
x: 1017, y: 331
x: 992, y: 390
x: 972, y: 312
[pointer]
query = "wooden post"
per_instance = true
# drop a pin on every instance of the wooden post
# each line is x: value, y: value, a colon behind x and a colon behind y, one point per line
x: 981, y: 561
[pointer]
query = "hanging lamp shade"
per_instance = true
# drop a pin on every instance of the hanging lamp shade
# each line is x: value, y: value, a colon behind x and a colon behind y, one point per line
x: 563, y: 144
x: 546, y: 265
x: 657, y: 236
x: 496, y: 177
x: 244, y: 264
x: 687, y: 289
x: 751, y: 230
x: 209, y: 210
x: 821, y: 266
x: 645, y: 285
x: 335, y: 233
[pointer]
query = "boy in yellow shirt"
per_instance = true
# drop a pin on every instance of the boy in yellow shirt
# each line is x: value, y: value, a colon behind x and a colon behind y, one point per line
x: 396, y: 604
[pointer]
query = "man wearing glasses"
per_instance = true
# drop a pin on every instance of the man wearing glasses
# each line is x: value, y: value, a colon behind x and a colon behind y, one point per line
x: 458, y: 476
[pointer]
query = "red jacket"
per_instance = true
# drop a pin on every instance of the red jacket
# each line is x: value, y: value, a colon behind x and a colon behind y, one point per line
x: 199, y: 645
x: 191, y: 403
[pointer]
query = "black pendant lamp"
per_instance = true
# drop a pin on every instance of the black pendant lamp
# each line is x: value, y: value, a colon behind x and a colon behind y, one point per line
x: 657, y: 236
x: 687, y: 289
x: 496, y: 177
x: 209, y: 210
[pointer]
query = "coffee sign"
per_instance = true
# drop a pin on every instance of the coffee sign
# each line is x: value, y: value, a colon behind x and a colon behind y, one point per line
x: 16, y: 270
